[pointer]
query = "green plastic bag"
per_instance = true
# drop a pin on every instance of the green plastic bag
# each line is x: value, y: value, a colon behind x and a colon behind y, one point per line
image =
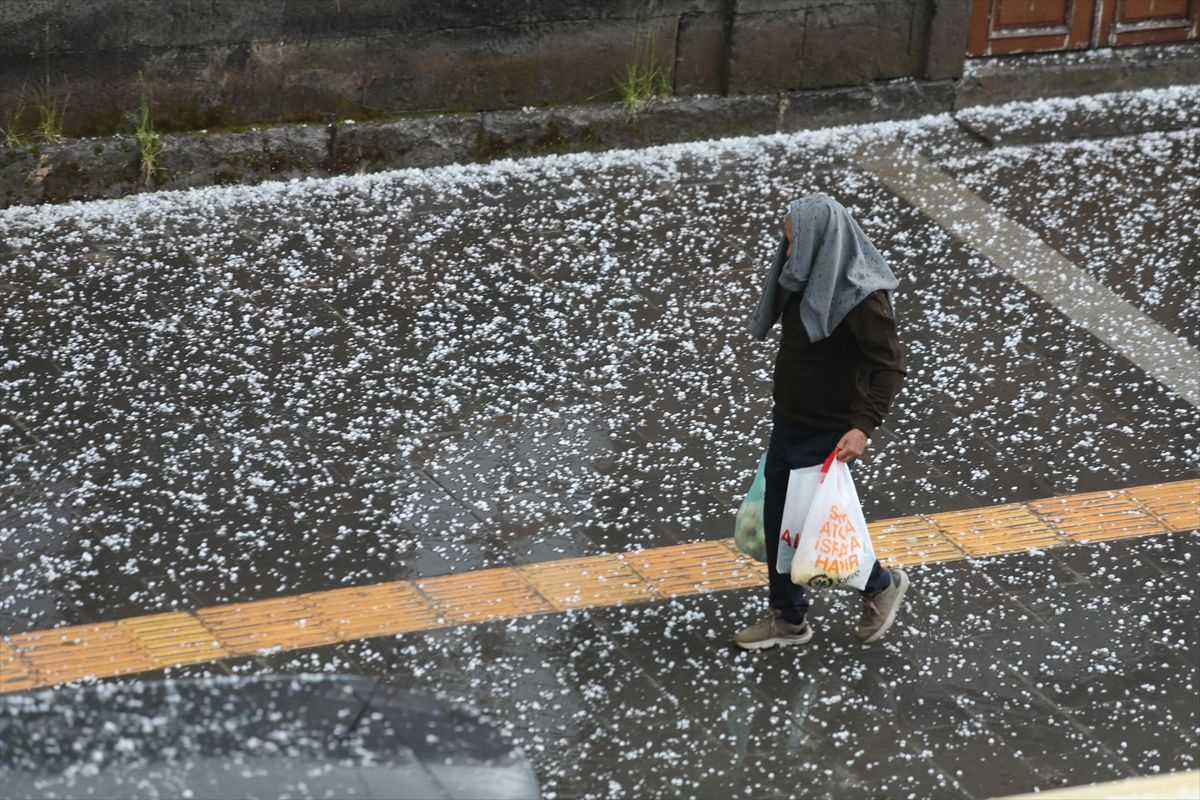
x: 748, y: 534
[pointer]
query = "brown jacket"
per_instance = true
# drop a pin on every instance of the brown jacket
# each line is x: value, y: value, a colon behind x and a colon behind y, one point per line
x: 846, y: 381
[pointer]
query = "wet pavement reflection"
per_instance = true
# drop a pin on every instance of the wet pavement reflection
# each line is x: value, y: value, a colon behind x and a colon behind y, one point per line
x: 265, y: 737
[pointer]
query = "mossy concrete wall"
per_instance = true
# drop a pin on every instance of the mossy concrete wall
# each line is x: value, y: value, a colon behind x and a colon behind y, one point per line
x: 222, y: 63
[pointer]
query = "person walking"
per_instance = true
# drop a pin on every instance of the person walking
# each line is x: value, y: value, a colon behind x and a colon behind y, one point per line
x: 838, y: 368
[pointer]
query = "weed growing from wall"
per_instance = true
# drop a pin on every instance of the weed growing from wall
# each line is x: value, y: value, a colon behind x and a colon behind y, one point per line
x: 646, y: 80
x: 50, y: 115
x: 149, y: 142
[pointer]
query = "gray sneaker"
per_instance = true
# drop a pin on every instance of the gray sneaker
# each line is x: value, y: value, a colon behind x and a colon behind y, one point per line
x: 879, y: 610
x: 772, y: 630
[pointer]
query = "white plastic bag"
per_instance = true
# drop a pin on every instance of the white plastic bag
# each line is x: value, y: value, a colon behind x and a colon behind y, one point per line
x: 835, y: 548
x: 802, y: 486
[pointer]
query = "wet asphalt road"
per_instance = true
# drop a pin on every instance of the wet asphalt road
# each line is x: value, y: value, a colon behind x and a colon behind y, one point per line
x: 236, y: 394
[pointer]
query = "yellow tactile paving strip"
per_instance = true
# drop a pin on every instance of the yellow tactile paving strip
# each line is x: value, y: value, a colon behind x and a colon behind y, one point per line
x: 482, y: 595
x: 1100, y: 515
x: 286, y: 623
x: 66, y: 654
x: 694, y: 568
x: 157, y: 641
x: 175, y: 638
x: 998, y: 529
x: 361, y: 612
x: 16, y: 673
x: 589, y: 581
x: 1174, y: 504
x: 912, y: 540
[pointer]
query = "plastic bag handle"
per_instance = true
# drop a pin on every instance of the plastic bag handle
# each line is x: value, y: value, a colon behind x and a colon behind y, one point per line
x: 828, y: 463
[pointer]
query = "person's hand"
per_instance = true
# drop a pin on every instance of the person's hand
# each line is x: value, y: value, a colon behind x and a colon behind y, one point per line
x: 852, y: 445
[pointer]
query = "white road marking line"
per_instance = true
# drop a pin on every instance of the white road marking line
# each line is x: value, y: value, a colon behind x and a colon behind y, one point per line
x: 1024, y: 256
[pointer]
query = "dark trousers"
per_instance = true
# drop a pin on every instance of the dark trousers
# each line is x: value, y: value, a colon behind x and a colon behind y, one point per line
x: 793, y: 447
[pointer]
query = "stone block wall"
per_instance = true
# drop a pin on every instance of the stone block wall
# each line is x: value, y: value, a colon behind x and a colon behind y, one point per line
x: 221, y: 63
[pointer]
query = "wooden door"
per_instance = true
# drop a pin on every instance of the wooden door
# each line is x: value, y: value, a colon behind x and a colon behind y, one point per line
x: 998, y: 27
x: 1147, y: 21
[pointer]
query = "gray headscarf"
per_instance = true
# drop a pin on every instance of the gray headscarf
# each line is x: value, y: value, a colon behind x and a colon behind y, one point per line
x: 833, y: 264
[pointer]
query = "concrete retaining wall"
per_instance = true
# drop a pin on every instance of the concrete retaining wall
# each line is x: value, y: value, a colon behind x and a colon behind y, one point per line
x: 740, y: 67
x: 219, y: 63
x: 85, y: 169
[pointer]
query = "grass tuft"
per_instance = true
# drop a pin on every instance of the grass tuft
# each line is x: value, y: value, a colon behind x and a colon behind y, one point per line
x: 149, y: 143
x: 50, y: 117
x: 646, y: 81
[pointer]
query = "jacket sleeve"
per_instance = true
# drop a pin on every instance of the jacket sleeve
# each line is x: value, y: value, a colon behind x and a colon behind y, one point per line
x: 873, y: 325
